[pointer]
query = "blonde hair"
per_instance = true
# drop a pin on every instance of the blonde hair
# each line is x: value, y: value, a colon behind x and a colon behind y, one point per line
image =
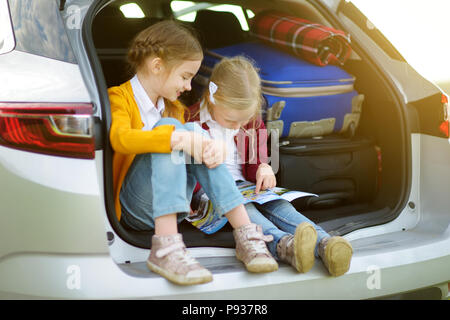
x: 170, y: 41
x: 239, y: 85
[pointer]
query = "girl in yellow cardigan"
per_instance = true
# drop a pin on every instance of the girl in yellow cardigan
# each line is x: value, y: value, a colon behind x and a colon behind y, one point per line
x: 154, y: 173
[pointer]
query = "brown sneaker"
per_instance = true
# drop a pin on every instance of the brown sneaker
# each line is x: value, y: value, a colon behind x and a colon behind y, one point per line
x: 298, y: 249
x: 336, y: 253
x: 251, y: 249
x: 170, y: 259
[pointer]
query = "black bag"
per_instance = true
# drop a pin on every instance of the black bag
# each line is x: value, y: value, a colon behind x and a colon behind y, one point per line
x: 340, y: 170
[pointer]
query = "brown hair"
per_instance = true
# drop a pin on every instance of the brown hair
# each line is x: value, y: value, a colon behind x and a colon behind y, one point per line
x: 239, y: 85
x: 169, y: 40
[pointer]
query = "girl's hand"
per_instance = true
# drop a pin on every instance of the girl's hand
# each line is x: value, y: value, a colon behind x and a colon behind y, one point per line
x: 193, y: 212
x: 189, y: 142
x: 203, y: 149
x: 265, y: 178
x: 214, y: 153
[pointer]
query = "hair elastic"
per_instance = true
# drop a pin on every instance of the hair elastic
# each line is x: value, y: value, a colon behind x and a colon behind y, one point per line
x: 212, y: 89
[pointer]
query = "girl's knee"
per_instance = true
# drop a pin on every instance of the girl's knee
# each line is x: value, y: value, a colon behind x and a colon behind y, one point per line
x: 189, y: 126
x: 192, y: 126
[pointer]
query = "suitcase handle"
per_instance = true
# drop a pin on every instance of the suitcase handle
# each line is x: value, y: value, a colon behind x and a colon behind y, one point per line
x: 214, y: 55
x: 329, y: 199
x: 320, y: 148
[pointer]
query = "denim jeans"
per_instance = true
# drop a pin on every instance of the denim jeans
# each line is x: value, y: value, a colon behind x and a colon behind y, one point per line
x: 279, y: 218
x: 158, y: 184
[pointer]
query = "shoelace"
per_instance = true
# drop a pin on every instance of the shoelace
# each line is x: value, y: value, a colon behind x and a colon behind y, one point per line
x: 257, y: 242
x: 322, y: 245
x: 180, y: 254
x: 284, y: 248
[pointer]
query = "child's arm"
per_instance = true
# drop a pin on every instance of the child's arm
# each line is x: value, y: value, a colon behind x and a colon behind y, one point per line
x: 127, y: 140
x: 260, y: 172
x: 265, y: 178
x: 214, y: 153
x: 256, y: 150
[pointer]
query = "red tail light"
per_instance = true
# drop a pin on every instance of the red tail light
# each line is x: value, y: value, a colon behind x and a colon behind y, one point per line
x: 444, y: 125
x: 49, y: 128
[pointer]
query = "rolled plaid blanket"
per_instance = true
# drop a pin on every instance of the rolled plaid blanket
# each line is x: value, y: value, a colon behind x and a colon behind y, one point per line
x: 313, y: 42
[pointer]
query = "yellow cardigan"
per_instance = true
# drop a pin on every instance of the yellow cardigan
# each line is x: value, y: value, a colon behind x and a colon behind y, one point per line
x: 127, y: 137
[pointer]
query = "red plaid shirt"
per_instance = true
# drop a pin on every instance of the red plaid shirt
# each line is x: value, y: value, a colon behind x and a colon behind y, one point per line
x: 313, y: 42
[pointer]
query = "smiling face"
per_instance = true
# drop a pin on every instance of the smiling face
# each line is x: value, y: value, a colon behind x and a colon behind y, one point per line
x: 167, y: 81
x: 177, y: 79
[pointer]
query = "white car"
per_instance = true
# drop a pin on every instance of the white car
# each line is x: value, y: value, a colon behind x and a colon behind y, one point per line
x: 59, y: 236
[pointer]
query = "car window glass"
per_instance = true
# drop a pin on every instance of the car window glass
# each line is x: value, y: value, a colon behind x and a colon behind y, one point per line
x: 132, y: 10
x: 39, y: 29
x: 187, y: 11
x: 6, y: 35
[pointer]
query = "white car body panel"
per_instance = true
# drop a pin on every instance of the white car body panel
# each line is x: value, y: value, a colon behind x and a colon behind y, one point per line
x: 417, y: 249
x: 7, y: 41
x: 45, y: 79
x: 64, y: 174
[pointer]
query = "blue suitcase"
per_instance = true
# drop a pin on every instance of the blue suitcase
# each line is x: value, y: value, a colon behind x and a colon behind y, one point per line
x: 303, y: 100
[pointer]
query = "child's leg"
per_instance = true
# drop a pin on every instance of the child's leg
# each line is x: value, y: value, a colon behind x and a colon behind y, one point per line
x: 221, y: 189
x: 154, y: 195
x: 268, y: 228
x: 336, y: 252
x: 238, y: 217
x: 283, y: 214
x: 295, y: 247
x: 227, y: 200
x: 147, y: 203
x: 166, y: 225
x: 154, y: 187
x: 219, y: 186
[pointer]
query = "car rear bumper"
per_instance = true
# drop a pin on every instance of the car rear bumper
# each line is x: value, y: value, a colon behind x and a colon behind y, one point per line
x: 382, y: 265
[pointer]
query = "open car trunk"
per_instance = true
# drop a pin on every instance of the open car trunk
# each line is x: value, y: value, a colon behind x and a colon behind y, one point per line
x: 382, y: 122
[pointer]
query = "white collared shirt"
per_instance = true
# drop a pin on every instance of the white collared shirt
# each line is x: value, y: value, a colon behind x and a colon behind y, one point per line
x: 216, y: 131
x: 150, y: 114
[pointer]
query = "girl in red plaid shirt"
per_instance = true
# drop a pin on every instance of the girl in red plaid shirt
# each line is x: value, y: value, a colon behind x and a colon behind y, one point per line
x: 230, y: 110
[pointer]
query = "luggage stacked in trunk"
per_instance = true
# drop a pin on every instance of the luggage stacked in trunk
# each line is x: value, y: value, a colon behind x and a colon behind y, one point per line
x: 303, y: 100
x: 315, y: 110
x: 341, y: 170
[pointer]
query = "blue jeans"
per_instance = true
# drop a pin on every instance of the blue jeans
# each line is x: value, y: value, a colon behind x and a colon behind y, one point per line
x: 159, y: 184
x: 279, y: 218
